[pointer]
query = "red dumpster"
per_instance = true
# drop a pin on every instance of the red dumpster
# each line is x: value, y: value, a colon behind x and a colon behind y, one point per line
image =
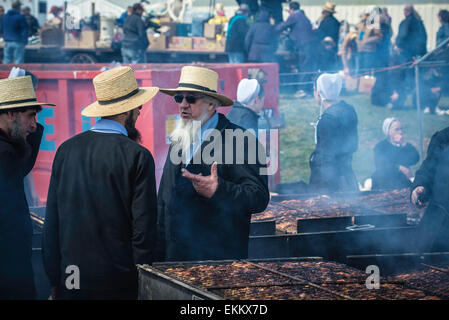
x: 70, y: 87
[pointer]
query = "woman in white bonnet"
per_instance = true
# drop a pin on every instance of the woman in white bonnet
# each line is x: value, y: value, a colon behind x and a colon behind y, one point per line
x: 393, y: 158
x: 336, y: 139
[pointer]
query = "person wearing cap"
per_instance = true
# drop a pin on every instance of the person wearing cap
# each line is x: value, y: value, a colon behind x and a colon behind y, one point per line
x: 15, y: 34
x: 101, y: 206
x: 210, y: 186
x: 336, y: 139
x: 236, y: 33
x: 20, y: 137
x: 328, y: 25
x: 430, y: 187
x: 252, y: 6
x: 249, y: 103
x: 302, y: 35
x: 393, y: 158
x: 135, y: 41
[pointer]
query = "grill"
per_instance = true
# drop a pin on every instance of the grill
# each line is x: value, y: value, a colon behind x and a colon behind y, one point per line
x: 295, y: 278
x: 382, y: 209
x: 338, y: 225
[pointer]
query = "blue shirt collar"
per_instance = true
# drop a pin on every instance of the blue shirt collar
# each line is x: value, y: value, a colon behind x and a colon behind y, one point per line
x: 109, y: 126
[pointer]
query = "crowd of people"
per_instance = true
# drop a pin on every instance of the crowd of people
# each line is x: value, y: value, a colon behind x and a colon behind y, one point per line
x: 104, y: 214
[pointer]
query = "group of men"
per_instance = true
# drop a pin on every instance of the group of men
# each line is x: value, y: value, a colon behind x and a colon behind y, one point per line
x: 103, y: 214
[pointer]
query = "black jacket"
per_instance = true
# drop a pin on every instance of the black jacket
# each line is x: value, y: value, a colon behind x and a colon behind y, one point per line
x: 443, y: 33
x: 329, y: 27
x: 33, y: 25
x: 101, y: 211
x: 433, y: 175
x: 237, y: 29
x: 387, y: 159
x: 243, y: 117
x: 135, y: 34
x: 337, y: 140
x: 261, y: 40
x: 412, y: 36
x: 191, y: 227
x: 16, y: 273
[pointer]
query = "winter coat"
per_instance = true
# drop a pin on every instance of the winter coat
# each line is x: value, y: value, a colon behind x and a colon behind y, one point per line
x: 329, y: 27
x: 261, y: 40
x: 337, y: 140
x: 235, y: 36
x: 135, y: 34
x: 412, y: 36
x: 192, y: 227
x: 15, y: 27
x: 387, y: 159
x: 16, y: 273
x: 443, y: 33
x: 101, y: 211
x: 433, y: 175
x: 243, y: 117
x: 301, y: 28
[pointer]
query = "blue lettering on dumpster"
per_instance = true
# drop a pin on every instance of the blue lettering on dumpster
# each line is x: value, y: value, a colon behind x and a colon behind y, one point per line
x: 47, y: 145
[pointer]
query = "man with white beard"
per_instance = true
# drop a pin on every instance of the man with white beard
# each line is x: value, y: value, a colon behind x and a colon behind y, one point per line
x: 209, y: 186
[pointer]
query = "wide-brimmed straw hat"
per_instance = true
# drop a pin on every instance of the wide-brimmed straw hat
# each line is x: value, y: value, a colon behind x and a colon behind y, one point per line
x: 329, y: 7
x: 117, y: 92
x: 198, y: 79
x: 18, y: 93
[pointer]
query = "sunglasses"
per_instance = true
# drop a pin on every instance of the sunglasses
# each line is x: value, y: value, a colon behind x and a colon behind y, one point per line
x: 190, y: 99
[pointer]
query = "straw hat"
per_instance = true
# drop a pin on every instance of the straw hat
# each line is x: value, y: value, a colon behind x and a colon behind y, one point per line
x: 329, y: 7
x: 17, y: 93
x: 198, y: 79
x: 117, y: 92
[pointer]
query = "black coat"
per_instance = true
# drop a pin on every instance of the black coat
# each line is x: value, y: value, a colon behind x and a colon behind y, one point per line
x: 135, y: 34
x: 329, y: 27
x: 261, y: 40
x: 433, y: 175
x: 443, y: 33
x: 337, y: 140
x: 191, y: 227
x: 412, y: 37
x: 16, y: 273
x: 101, y: 211
x: 387, y: 159
x: 243, y: 117
x: 237, y: 29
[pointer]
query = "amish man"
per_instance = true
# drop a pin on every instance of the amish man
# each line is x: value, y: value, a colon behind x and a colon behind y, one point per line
x: 101, y: 206
x: 204, y: 206
x: 20, y: 137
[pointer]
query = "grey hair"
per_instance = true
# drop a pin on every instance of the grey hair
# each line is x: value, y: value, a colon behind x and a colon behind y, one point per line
x: 212, y: 100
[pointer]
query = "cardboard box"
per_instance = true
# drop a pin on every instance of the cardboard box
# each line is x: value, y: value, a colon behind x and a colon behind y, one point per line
x: 157, y: 43
x: 366, y: 84
x: 89, y: 38
x: 351, y: 84
x: 180, y: 43
x: 71, y: 41
x: 171, y: 26
x: 211, y: 30
x: 204, y: 44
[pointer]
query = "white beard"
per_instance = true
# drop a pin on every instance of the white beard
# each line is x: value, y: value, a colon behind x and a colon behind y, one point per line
x: 186, y: 134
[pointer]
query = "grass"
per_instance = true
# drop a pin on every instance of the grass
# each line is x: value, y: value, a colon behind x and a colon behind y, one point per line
x: 297, y: 139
